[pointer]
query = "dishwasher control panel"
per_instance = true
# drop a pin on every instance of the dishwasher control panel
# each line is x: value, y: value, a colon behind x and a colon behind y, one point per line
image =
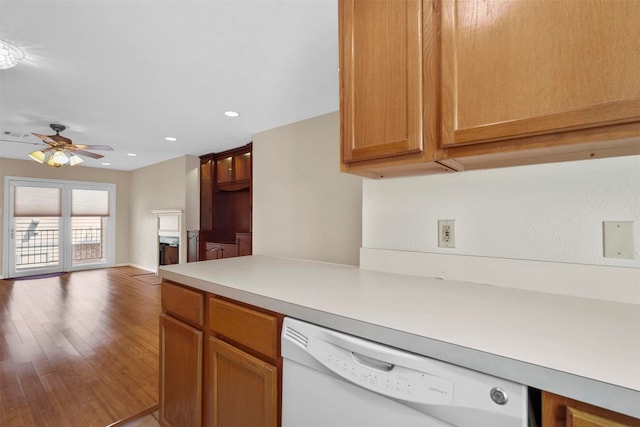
x: 382, y: 377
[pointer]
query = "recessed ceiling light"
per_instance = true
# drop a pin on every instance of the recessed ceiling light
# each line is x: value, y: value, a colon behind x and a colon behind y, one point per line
x: 231, y: 114
x: 131, y: 154
x: 171, y: 138
x: 106, y: 164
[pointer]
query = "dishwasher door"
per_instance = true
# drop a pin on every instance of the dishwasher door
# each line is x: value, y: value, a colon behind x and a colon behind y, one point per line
x: 333, y: 379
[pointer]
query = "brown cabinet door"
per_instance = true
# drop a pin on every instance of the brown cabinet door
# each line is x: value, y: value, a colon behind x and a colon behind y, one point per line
x: 206, y: 193
x: 181, y: 348
x: 224, y: 170
x: 513, y: 69
x: 242, y: 166
x: 577, y: 418
x: 242, y: 390
x: 560, y: 411
x: 380, y: 78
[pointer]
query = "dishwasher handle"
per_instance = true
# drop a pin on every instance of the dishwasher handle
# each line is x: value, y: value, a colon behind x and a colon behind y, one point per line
x: 372, y: 363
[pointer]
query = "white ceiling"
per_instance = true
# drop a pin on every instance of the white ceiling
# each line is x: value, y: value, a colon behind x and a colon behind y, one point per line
x: 130, y: 73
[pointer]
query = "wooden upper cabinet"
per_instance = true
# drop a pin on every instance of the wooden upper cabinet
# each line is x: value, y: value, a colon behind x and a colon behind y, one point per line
x: 446, y: 85
x: 242, y: 166
x: 234, y: 166
x: 381, y: 69
x: 224, y: 170
x: 388, y: 86
x: 514, y: 69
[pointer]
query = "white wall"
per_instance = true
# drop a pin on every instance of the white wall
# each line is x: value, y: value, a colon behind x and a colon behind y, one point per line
x: 165, y: 185
x: 303, y: 207
x: 549, y: 212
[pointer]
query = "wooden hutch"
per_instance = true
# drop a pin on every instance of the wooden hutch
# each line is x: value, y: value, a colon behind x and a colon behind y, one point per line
x: 225, y: 205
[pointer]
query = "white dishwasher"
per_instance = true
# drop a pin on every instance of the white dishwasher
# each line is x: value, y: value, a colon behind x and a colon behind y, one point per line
x: 331, y: 379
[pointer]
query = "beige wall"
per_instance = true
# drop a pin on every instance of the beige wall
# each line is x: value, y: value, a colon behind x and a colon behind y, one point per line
x: 303, y: 207
x: 172, y: 184
x: 30, y: 169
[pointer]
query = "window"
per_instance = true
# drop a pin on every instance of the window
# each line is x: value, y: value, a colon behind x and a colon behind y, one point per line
x: 58, y: 226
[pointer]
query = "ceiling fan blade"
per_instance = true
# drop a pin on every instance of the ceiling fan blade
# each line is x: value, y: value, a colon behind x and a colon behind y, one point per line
x: 45, y: 138
x: 94, y: 147
x: 88, y: 154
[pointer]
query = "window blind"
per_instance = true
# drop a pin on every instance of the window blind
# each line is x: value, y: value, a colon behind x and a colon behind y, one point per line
x: 89, y: 202
x: 37, y: 202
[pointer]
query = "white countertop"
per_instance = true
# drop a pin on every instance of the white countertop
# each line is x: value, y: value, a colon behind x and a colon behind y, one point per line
x: 582, y: 348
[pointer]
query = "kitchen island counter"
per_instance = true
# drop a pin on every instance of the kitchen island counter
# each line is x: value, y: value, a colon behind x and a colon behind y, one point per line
x: 581, y: 348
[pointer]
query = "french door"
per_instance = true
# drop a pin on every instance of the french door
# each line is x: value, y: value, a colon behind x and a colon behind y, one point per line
x: 57, y: 226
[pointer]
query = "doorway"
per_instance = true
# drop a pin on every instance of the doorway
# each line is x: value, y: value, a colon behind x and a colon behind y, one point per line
x: 57, y: 226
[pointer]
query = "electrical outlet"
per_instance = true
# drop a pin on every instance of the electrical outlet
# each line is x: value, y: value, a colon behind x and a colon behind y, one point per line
x: 446, y: 233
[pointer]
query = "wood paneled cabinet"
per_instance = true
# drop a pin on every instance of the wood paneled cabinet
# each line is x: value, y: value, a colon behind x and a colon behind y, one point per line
x: 559, y: 411
x: 238, y: 372
x: 181, y: 354
x: 465, y: 84
x: 225, y: 202
x: 388, y: 87
x: 243, y: 365
x: 206, y: 192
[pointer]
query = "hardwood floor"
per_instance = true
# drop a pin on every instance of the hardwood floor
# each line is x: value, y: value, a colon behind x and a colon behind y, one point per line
x: 78, y: 350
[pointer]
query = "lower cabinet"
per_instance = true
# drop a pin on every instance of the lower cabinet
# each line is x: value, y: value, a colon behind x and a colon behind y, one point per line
x: 221, y: 369
x: 180, y: 373
x: 220, y: 250
x: 243, y: 390
x: 560, y: 411
x: 244, y: 366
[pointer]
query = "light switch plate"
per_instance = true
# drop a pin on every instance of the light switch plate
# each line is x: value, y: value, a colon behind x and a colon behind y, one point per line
x: 618, y: 239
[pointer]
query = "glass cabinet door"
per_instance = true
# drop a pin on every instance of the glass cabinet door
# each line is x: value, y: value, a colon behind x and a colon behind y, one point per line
x: 224, y: 170
x: 242, y: 165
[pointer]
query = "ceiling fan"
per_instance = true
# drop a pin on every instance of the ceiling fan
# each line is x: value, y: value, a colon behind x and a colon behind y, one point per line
x: 63, y: 150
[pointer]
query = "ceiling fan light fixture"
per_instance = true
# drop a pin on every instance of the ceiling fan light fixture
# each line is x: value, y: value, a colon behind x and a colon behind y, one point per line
x: 50, y: 162
x: 59, y: 157
x: 38, y: 156
x: 9, y: 55
x: 63, y: 150
x: 75, y: 160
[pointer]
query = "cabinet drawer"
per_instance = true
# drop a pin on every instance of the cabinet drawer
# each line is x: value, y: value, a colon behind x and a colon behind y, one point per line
x: 220, y: 250
x: 251, y: 328
x: 182, y: 303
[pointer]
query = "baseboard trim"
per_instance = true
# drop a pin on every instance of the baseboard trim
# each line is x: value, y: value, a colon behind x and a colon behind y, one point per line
x: 140, y: 414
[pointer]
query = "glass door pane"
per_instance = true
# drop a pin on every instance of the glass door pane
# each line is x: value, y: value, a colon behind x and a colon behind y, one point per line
x: 37, y: 244
x: 224, y: 170
x: 36, y: 228
x: 88, y: 240
x: 242, y: 165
